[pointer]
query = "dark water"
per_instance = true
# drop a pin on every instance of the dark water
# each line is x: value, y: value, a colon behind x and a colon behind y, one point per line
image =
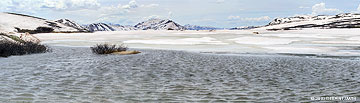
x: 76, y: 75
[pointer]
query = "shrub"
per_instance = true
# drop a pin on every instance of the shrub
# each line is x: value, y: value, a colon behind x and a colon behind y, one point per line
x: 44, y: 30
x: 107, y: 48
x: 37, y: 30
x: 8, y: 48
x: 25, y: 30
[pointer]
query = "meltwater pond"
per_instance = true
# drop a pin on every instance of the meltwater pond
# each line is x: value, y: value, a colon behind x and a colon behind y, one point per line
x: 76, y: 75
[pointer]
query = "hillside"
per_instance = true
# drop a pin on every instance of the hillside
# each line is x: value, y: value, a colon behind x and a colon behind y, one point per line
x: 8, y: 22
x: 346, y: 20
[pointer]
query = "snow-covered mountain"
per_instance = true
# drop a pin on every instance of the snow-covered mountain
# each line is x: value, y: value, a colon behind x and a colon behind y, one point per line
x: 244, y: 28
x: 196, y: 27
x: 159, y: 24
x: 71, y: 23
x: 10, y: 21
x: 99, y: 27
x: 346, y: 20
x: 119, y: 27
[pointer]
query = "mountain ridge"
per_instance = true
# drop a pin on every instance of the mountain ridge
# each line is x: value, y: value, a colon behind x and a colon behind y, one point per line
x: 344, y: 20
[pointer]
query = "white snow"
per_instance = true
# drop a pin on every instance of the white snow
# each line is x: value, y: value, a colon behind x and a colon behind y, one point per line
x: 263, y: 40
x: 185, y: 41
x: 301, y: 35
x: 357, y: 38
x: 337, y: 42
x: 307, y: 41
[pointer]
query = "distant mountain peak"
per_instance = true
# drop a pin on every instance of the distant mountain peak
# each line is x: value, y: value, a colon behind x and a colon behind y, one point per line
x: 159, y: 24
x: 197, y: 27
x: 99, y: 27
x: 71, y: 23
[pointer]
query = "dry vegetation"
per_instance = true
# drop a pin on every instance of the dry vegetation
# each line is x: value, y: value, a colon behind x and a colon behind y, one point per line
x: 20, y: 47
x: 108, y: 48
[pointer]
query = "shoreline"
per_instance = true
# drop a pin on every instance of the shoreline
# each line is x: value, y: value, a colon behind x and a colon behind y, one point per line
x: 295, y: 55
x: 331, y: 42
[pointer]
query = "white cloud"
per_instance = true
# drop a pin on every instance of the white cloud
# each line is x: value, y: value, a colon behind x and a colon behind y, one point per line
x: 358, y: 9
x: 263, y: 18
x: 84, y: 3
x: 150, y: 5
x: 132, y: 4
x: 320, y: 9
x: 34, y: 5
x: 220, y: 1
x: 125, y: 13
x: 304, y: 7
x: 152, y: 17
x: 170, y: 14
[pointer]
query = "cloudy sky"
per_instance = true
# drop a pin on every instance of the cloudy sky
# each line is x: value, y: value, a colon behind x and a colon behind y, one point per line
x: 218, y: 13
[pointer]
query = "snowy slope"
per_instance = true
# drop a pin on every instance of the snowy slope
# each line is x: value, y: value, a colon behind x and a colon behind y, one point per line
x: 346, y: 20
x: 244, y: 27
x: 159, y: 24
x: 71, y: 23
x: 9, y: 21
x: 99, y: 27
x: 119, y: 27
